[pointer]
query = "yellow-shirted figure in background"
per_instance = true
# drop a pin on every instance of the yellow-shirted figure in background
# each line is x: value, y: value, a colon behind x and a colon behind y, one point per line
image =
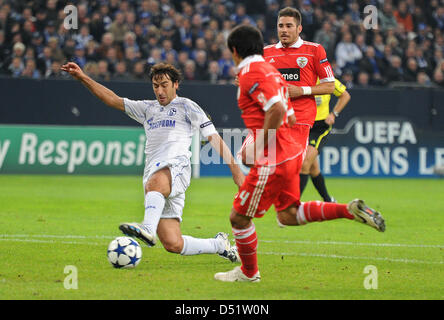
x: 318, y: 135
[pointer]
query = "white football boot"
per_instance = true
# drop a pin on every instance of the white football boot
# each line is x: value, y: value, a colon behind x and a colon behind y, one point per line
x: 236, y: 275
x: 230, y: 252
x: 137, y: 230
x: 366, y: 215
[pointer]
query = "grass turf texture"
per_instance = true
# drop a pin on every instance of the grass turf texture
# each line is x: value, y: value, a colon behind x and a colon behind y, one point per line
x: 49, y: 222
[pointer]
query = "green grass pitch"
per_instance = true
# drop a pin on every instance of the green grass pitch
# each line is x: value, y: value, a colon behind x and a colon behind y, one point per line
x: 50, y: 222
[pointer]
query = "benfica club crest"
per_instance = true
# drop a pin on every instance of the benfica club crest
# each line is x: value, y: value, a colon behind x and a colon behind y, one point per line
x: 302, y: 61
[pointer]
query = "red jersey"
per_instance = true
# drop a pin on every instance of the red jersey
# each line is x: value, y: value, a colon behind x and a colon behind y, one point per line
x: 301, y: 65
x: 260, y: 87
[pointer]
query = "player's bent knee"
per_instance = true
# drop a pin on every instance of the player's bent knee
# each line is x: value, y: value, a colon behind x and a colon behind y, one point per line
x: 239, y: 221
x: 280, y: 223
x: 160, y: 187
x: 160, y: 182
x: 314, y: 172
x: 288, y: 217
x: 173, y: 246
x: 305, y: 168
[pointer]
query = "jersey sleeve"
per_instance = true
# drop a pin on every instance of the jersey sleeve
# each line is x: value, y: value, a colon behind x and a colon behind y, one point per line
x: 339, y: 88
x: 136, y: 109
x: 264, y: 90
x: 323, y: 67
x: 199, y: 120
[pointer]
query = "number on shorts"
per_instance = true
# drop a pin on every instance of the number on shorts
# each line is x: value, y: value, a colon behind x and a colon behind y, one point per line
x: 244, y: 196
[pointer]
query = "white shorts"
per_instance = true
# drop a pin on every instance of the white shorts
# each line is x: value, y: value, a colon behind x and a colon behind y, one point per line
x: 180, y: 169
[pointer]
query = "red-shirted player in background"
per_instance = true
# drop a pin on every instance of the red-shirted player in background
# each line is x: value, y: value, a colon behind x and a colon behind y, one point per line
x: 301, y: 63
x: 263, y: 99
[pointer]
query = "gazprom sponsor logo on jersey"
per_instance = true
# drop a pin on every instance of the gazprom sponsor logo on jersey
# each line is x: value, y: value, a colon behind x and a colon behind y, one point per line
x: 291, y: 74
x: 166, y: 123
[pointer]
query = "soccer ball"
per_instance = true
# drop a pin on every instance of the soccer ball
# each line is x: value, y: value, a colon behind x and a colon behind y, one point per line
x: 124, y: 252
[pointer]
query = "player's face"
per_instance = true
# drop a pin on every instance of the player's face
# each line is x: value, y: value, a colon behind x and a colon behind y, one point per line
x: 164, y: 89
x: 236, y: 58
x: 288, y: 30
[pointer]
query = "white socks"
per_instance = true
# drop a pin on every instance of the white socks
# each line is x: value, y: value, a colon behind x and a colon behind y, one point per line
x: 154, y: 204
x: 193, y: 246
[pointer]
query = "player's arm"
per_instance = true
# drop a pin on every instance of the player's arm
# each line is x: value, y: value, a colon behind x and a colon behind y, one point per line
x: 342, y: 102
x: 319, y: 89
x: 343, y: 99
x: 199, y: 119
x: 222, y: 149
x: 323, y: 71
x: 273, y: 120
x: 291, y: 118
x: 106, y: 95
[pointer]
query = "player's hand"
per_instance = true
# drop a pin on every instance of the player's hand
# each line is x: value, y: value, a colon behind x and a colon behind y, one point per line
x: 73, y: 69
x: 239, y: 178
x: 295, y: 91
x: 291, y: 120
x: 248, y: 155
x: 330, y: 120
x: 236, y: 81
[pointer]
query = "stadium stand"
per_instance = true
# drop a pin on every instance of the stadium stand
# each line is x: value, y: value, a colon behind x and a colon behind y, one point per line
x: 120, y: 40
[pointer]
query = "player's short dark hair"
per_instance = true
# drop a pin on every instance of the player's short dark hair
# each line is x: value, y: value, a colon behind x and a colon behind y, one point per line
x: 291, y: 12
x: 247, y: 40
x: 164, y: 69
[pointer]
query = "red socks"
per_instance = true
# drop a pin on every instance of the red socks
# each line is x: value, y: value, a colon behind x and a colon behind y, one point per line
x: 321, y: 211
x: 246, y: 242
x: 246, y: 239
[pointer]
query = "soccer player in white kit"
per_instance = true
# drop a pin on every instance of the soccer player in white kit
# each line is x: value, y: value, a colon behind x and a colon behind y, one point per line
x: 169, y: 122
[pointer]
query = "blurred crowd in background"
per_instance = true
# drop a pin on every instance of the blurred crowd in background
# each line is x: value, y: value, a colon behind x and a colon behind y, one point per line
x: 120, y: 40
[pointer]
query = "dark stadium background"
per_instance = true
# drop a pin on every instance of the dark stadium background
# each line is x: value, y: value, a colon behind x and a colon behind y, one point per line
x: 118, y: 39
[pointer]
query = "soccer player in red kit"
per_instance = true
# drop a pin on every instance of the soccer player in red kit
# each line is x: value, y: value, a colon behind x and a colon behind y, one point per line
x: 302, y: 63
x: 263, y: 99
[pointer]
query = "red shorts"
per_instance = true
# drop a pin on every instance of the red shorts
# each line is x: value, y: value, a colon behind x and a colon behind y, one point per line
x: 265, y: 186
x: 300, y: 133
x: 274, y: 185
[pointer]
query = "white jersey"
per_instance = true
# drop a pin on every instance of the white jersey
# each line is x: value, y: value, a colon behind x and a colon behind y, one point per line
x: 169, y: 129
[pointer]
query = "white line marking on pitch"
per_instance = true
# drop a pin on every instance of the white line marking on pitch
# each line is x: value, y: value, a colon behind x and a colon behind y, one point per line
x: 334, y: 256
x: 57, y: 242
x: 315, y: 255
x: 308, y: 242
x: 50, y: 241
x: 355, y: 243
x: 54, y: 236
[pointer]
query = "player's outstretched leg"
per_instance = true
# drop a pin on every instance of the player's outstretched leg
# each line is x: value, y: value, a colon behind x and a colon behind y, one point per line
x: 237, y: 275
x: 230, y: 252
x: 195, y: 246
x: 366, y: 215
x: 138, y: 231
x: 317, y: 211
